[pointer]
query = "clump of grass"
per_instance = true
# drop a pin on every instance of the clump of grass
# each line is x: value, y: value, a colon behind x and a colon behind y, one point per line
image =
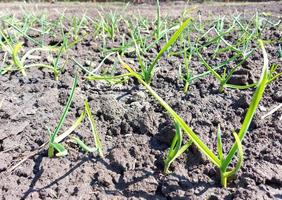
x: 220, y: 160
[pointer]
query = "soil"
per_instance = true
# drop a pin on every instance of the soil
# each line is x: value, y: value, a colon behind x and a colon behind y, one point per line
x: 136, y: 131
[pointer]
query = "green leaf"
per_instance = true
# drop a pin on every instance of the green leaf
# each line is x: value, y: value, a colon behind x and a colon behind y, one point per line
x: 225, y: 175
x: 60, y: 148
x: 217, y: 76
x: 219, y: 144
x: 16, y: 59
x: 240, y: 157
x: 170, y: 42
x: 106, y: 78
x: 63, y: 117
x: 83, y: 145
x: 174, y: 147
x: 194, y: 138
x: 94, y: 129
x: 252, y: 107
x: 71, y: 129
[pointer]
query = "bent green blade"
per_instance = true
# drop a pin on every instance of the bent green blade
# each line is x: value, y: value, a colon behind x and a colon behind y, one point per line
x: 71, y: 129
x: 219, y: 144
x: 195, y: 139
x: 252, y: 108
x: 225, y: 175
x: 170, y: 42
x: 66, y: 108
x: 174, y: 148
x: 83, y: 145
x: 96, y: 136
x: 61, y: 149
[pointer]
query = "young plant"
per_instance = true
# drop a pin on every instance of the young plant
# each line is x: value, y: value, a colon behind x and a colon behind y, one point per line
x: 188, y: 75
x: 18, y: 63
x: 187, y: 78
x: 221, y: 161
x: 55, y: 139
x: 176, y: 148
x: 224, y: 78
x: 274, y: 74
x: 53, y: 145
x: 147, y: 72
x: 55, y: 65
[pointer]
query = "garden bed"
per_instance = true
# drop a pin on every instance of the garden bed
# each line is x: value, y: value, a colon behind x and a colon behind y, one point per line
x: 135, y: 130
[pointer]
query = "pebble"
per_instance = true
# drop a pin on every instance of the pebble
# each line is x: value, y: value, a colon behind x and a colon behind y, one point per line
x: 262, y: 108
x: 278, y: 96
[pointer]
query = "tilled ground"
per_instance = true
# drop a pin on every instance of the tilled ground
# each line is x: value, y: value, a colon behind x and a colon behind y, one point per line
x: 136, y: 132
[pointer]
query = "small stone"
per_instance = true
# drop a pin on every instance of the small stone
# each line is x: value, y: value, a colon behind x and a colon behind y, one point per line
x: 88, y: 62
x: 109, y: 61
x: 278, y: 96
x: 262, y: 108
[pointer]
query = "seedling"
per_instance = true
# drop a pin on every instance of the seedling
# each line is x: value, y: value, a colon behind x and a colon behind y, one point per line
x: 224, y: 78
x: 187, y: 78
x: 274, y: 74
x: 55, y: 139
x: 188, y: 75
x: 280, y: 52
x: 176, y: 148
x: 147, y: 72
x: 55, y: 66
x: 53, y: 145
x: 18, y: 64
x: 221, y: 161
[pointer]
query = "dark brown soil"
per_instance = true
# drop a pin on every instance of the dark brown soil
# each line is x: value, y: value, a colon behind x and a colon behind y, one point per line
x: 136, y: 132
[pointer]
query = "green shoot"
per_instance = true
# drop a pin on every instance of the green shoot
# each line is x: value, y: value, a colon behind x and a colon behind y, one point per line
x: 52, y: 144
x: 224, y: 78
x: 224, y: 174
x: 219, y: 144
x: 273, y: 74
x: 195, y: 139
x: 187, y: 78
x: 280, y: 52
x: 149, y: 71
x: 79, y: 142
x: 94, y: 129
x: 83, y: 145
x: 16, y: 59
x: 175, y: 149
x: 18, y: 64
x: 158, y: 21
x: 221, y: 162
x: 251, y: 111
